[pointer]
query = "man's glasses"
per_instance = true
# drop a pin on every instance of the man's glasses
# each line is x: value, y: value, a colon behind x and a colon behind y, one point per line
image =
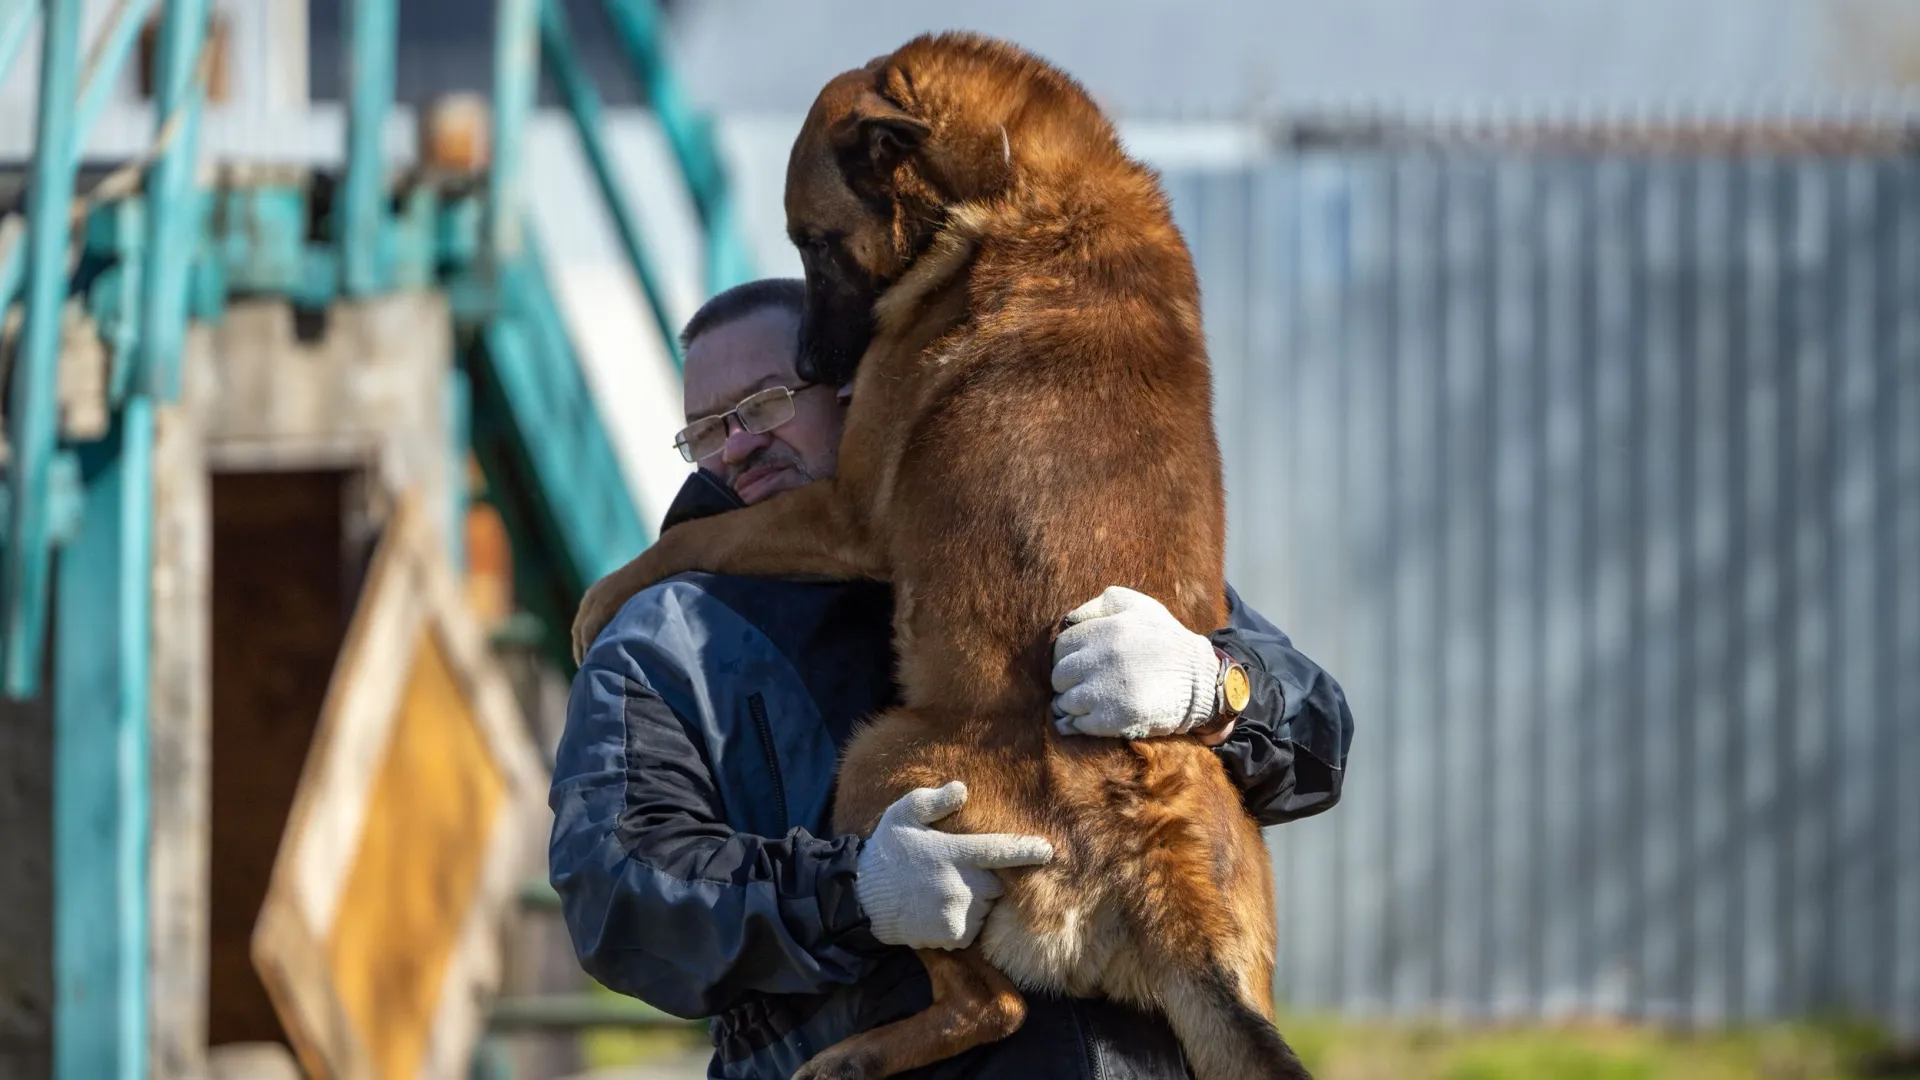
x: 759, y: 413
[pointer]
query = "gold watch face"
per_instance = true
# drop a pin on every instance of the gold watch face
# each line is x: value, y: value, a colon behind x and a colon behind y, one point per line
x: 1235, y: 690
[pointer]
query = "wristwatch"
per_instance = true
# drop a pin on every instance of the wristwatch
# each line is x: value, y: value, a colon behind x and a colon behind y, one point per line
x: 1233, y: 689
x: 1231, y: 692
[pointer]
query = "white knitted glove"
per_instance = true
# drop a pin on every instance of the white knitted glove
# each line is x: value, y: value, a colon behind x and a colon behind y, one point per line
x: 928, y: 889
x: 1125, y: 668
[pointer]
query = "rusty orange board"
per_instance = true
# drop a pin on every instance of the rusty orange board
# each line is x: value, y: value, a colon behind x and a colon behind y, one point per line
x: 379, y: 938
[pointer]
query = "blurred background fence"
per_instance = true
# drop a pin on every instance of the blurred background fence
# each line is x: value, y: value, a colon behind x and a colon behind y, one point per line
x: 1596, y: 479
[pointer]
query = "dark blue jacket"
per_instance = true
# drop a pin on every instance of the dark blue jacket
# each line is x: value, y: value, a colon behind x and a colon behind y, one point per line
x: 692, y: 795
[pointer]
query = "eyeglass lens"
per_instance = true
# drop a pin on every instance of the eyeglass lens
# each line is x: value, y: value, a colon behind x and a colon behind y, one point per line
x: 759, y: 413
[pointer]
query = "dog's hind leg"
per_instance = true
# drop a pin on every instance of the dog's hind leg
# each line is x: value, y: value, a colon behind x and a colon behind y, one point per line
x: 1226, y: 1037
x: 1216, y: 985
x: 973, y: 1004
x: 1201, y: 920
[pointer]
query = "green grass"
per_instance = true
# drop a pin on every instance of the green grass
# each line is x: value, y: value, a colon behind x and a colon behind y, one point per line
x: 612, y: 1047
x: 1338, y: 1049
x: 1345, y: 1050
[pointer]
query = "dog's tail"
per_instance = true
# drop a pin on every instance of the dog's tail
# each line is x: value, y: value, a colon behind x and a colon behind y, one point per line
x: 1224, y: 1037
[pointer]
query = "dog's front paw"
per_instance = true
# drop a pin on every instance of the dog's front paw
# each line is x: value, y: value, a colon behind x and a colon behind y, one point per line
x: 597, y: 609
x: 834, y: 1063
x: 604, y: 600
x: 676, y: 551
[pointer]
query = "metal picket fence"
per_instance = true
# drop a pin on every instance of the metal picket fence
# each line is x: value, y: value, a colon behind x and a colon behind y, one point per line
x: 1596, y: 481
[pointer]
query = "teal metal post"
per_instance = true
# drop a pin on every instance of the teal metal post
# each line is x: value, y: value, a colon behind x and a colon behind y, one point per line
x: 373, y: 33
x: 32, y: 418
x: 728, y: 262
x: 16, y: 17
x: 101, y: 781
x: 109, y: 54
x: 690, y: 135
x: 172, y: 226
x: 563, y: 63
x: 516, y: 72
x: 103, y: 67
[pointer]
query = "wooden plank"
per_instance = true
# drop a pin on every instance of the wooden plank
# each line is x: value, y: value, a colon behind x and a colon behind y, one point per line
x: 181, y: 733
x: 435, y: 793
x: 379, y: 940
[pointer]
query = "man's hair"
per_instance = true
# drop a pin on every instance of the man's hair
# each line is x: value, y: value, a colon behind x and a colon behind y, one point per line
x: 743, y: 300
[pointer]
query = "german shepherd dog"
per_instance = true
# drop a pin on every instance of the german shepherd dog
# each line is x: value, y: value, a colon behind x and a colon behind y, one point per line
x: 1031, y: 421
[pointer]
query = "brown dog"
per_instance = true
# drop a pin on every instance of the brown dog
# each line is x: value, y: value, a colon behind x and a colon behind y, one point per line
x: 1031, y: 422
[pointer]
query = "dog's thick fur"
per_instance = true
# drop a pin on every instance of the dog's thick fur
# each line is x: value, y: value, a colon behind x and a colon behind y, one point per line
x: 1031, y: 422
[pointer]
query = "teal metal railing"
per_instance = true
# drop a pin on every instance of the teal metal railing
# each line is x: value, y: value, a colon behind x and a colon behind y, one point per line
x: 96, y: 500
x: 157, y: 251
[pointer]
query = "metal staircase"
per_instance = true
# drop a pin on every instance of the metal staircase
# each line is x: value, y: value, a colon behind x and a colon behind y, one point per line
x: 145, y: 248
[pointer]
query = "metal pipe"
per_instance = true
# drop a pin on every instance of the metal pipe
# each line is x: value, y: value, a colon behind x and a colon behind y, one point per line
x: 689, y: 135
x: 516, y: 73
x: 583, y: 102
x: 102, y: 773
x: 105, y: 60
x: 32, y: 417
x: 16, y: 17
x: 132, y: 800
x: 170, y: 205
x: 373, y: 38
x: 103, y: 65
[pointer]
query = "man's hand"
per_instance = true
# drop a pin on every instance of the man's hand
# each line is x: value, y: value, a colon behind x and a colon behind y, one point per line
x: 928, y: 889
x: 1125, y: 668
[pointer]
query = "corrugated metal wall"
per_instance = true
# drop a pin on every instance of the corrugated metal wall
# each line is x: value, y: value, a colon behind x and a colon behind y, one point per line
x: 1597, y: 483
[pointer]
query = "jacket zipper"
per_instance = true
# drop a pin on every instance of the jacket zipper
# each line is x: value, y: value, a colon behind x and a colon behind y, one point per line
x: 757, y: 705
x: 1096, y: 1064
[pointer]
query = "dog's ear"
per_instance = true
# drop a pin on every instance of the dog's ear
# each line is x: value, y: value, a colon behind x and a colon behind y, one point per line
x: 876, y: 135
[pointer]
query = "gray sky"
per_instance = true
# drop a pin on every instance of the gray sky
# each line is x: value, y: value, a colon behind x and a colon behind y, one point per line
x: 1231, y: 59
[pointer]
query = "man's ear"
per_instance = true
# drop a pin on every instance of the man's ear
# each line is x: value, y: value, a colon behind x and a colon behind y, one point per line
x: 879, y: 135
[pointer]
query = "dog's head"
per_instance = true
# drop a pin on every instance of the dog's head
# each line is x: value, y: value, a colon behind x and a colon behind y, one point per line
x: 886, y: 151
x: 845, y: 214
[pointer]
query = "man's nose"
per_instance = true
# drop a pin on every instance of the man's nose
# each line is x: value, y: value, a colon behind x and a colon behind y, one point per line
x: 741, y: 443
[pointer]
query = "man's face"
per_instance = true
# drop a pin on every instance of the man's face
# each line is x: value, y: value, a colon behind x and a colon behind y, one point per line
x: 749, y: 354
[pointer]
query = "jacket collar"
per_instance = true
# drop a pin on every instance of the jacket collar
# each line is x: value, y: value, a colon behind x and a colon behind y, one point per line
x: 703, y: 495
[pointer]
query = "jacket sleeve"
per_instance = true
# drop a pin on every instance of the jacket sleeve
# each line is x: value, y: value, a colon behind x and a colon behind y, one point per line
x: 1288, y: 750
x: 663, y: 900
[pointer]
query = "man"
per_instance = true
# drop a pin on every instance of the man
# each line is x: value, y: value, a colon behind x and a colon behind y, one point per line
x: 693, y: 786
